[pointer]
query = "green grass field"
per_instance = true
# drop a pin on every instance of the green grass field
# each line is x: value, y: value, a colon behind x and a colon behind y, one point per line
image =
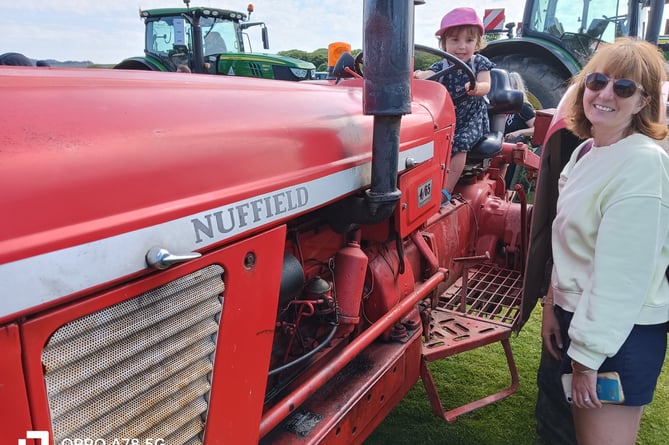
x: 477, y: 373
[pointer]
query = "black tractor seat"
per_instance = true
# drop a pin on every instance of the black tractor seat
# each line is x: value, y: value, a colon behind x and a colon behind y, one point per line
x: 502, y: 100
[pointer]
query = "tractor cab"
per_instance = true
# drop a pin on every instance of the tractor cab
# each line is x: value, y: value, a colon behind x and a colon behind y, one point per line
x: 210, y: 41
x: 580, y: 27
x: 558, y: 37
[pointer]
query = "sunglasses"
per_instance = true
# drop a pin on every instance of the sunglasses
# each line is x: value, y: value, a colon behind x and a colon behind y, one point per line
x: 621, y: 87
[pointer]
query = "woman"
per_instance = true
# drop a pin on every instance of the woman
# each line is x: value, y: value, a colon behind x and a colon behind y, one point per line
x: 610, y: 241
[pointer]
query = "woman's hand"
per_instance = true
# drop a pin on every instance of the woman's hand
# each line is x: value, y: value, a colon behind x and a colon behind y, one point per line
x: 550, y: 328
x: 584, y: 387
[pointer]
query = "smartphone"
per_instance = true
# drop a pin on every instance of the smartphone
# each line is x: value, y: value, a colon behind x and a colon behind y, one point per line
x: 609, y: 389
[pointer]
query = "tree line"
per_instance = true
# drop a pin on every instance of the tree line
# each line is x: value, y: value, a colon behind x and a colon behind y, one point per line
x: 319, y: 58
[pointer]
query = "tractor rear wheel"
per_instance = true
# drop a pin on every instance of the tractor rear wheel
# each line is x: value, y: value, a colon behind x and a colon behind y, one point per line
x: 546, y: 84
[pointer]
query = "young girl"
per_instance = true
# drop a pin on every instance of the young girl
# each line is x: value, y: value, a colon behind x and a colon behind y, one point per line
x: 461, y: 34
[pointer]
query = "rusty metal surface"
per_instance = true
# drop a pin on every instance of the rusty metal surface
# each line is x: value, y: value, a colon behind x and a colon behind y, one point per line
x: 477, y: 311
x: 490, y: 311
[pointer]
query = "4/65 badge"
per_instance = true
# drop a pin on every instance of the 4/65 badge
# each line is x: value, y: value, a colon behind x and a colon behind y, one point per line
x: 424, y: 193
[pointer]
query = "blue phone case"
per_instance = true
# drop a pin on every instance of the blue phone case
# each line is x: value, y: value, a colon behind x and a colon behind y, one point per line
x: 608, y: 389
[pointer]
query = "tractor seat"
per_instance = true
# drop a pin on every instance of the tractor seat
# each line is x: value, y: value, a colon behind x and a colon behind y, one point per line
x: 214, y: 44
x: 502, y: 100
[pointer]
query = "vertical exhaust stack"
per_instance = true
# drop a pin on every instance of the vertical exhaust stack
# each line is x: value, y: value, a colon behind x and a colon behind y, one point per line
x: 388, y: 51
x: 388, y: 47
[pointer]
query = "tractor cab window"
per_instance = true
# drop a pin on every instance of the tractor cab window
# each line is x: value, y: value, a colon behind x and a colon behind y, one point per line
x: 166, y: 34
x: 602, y: 19
x: 169, y: 39
x: 219, y: 36
x: 580, y: 25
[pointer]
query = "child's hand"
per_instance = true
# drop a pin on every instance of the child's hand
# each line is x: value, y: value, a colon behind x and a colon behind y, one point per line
x: 473, y: 92
x: 420, y: 74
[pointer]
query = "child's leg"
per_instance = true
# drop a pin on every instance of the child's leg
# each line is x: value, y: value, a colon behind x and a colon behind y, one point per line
x: 457, y: 165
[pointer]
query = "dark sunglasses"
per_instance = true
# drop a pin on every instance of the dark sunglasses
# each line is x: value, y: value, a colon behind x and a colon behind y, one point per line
x: 621, y: 87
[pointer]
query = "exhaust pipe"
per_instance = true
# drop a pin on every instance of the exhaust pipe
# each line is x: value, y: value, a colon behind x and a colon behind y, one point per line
x: 388, y: 49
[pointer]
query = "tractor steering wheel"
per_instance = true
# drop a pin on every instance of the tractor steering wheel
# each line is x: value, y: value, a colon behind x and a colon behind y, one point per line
x: 357, y: 63
x: 455, y: 64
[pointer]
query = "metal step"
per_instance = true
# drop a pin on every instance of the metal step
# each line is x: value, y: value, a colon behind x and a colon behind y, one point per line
x: 493, y: 295
x: 479, y: 309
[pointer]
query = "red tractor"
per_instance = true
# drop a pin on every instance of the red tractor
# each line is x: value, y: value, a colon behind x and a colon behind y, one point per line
x: 278, y: 270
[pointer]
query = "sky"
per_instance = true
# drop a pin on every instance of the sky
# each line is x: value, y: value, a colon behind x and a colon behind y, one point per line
x: 108, y: 31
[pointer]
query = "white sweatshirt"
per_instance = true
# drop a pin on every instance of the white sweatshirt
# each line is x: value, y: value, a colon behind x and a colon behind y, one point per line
x: 610, y: 243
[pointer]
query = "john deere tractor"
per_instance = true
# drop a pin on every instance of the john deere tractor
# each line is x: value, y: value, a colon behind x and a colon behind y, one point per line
x: 558, y: 37
x: 211, y: 41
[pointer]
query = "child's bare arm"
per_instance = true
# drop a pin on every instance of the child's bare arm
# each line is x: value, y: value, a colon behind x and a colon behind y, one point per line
x: 482, y: 84
x: 422, y: 74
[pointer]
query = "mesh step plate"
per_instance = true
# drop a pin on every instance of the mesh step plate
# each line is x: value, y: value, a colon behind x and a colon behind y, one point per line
x: 493, y: 294
x: 491, y: 309
x: 138, y: 369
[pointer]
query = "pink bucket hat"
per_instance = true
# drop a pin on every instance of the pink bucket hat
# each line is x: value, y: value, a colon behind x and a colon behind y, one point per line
x: 460, y: 17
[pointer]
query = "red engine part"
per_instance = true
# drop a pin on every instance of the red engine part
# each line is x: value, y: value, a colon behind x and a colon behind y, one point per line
x: 350, y: 265
x: 389, y: 281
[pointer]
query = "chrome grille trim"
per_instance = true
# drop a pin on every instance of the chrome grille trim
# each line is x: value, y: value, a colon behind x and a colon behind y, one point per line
x: 139, y: 369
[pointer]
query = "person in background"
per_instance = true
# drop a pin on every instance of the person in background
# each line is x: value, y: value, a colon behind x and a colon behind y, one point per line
x: 461, y: 34
x: 182, y: 68
x: 608, y: 302
x: 519, y: 126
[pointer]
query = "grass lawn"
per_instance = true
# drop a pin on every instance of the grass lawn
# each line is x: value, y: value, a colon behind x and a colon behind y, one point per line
x: 477, y: 373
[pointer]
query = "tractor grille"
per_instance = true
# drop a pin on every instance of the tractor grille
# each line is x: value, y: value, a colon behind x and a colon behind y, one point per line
x: 255, y: 69
x: 138, y: 369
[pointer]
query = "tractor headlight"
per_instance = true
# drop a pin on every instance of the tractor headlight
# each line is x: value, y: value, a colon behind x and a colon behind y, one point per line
x: 300, y: 73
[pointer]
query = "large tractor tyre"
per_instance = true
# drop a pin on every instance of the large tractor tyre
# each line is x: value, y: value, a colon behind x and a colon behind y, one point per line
x: 137, y: 63
x: 546, y: 84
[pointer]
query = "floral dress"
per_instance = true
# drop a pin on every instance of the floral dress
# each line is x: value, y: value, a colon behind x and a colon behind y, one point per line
x: 471, y: 115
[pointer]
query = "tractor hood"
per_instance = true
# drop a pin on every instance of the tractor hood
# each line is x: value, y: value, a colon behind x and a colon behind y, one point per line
x: 150, y: 147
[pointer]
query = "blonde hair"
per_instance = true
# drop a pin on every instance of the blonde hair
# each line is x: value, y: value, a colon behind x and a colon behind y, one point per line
x: 473, y: 31
x: 517, y: 83
x: 626, y: 58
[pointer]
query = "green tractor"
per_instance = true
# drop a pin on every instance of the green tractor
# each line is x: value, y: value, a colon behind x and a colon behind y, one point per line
x: 558, y: 37
x: 211, y: 41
